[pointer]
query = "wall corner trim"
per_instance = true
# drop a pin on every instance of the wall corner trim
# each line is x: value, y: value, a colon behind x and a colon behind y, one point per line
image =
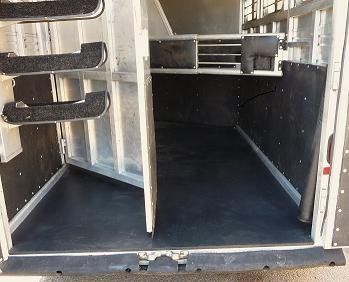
x: 286, y: 185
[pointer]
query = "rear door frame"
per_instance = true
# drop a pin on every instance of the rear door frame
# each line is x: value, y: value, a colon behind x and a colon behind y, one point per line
x: 337, y: 188
x: 323, y: 207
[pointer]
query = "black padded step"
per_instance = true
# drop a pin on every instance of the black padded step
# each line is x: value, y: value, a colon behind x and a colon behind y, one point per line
x: 94, y: 106
x: 92, y: 56
x: 50, y: 10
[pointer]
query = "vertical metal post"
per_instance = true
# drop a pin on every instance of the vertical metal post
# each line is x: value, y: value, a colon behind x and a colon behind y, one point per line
x: 5, y: 233
x: 339, y: 26
x: 340, y: 85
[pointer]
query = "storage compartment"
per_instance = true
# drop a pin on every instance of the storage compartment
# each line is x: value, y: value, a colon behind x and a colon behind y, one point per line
x: 201, y: 141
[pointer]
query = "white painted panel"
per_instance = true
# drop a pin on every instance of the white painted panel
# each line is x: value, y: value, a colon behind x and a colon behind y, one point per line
x: 324, y: 39
x: 203, y: 17
x: 145, y: 101
x: 158, y: 23
x: 109, y: 145
x: 10, y: 141
x: 75, y: 133
x: 301, y: 38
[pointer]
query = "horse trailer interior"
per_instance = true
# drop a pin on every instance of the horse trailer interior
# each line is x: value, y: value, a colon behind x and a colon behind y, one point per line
x: 166, y: 136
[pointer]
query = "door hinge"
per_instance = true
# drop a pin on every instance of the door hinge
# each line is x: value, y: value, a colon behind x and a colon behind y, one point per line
x: 63, y: 146
x: 145, y: 42
x: 179, y: 256
x: 336, y: 75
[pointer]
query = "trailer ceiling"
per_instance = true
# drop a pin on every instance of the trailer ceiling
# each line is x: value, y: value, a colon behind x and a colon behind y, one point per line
x: 203, y: 16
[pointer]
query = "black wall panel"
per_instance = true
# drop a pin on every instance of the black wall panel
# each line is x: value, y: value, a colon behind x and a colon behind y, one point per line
x: 26, y: 174
x: 283, y: 117
x: 198, y: 99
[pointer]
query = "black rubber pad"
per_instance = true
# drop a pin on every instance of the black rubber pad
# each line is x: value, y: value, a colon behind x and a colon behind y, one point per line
x: 257, y: 52
x: 94, y: 106
x: 50, y: 10
x: 92, y: 56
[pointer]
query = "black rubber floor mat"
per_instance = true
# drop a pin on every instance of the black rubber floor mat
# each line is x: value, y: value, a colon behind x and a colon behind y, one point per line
x: 50, y: 10
x: 92, y: 56
x: 213, y: 192
x: 94, y: 106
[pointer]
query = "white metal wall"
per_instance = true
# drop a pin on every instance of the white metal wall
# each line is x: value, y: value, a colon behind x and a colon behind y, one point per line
x: 120, y: 144
x: 203, y: 17
x: 308, y: 24
x: 110, y: 145
x: 310, y: 37
x: 158, y: 23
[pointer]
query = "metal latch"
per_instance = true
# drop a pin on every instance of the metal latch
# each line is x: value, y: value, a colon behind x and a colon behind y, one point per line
x: 179, y: 256
x: 284, y: 43
x: 63, y: 146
